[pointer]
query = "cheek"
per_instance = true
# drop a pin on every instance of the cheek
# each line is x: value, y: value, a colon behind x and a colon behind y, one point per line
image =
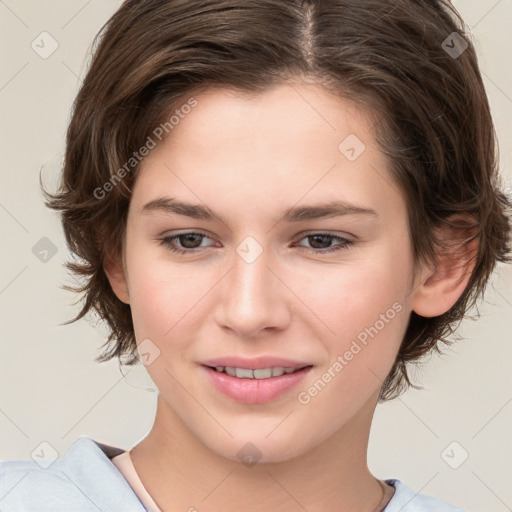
x: 352, y: 297
x: 162, y: 296
x: 366, y: 311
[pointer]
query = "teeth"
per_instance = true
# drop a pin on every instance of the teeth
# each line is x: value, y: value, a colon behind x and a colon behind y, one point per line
x: 243, y: 373
x: 260, y: 373
x: 276, y: 372
x: 230, y: 371
x: 264, y: 373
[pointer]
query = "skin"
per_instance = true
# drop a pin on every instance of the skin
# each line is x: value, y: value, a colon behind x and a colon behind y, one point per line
x: 249, y: 159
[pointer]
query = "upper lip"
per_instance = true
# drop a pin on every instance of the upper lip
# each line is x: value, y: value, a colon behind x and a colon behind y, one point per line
x: 254, y: 363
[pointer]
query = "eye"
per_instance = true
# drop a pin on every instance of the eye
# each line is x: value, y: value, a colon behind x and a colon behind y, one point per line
x: 321, y: 243
x: 189, y: 241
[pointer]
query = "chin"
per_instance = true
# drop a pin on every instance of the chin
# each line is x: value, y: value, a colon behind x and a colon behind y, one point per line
x: 257, y: 449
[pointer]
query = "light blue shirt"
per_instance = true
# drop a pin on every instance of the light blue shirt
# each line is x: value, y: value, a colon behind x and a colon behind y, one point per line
x: 85, y: 480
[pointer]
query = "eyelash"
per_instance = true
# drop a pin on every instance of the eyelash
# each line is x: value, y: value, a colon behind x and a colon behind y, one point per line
x: 168, y: 243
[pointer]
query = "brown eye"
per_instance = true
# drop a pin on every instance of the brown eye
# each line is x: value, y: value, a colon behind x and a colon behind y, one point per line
x: 189, y: 240
x: 321, y: 243
x: 184, y: 242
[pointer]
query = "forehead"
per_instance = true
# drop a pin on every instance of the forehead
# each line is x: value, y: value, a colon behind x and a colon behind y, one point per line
x: 280, y: 115
x: 289, y: 142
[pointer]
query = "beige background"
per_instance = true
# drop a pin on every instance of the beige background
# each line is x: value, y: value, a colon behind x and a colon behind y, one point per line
x: 51, y: 389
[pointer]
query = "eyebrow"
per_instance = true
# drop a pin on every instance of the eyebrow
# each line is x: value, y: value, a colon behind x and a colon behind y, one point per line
x: 293, y: 214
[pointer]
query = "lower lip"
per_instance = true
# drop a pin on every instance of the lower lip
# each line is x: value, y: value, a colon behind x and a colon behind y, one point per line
x: 255, y: 391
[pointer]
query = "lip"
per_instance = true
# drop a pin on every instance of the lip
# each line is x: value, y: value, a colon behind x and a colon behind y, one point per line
x: 255, y: 363
x: 254, y: 391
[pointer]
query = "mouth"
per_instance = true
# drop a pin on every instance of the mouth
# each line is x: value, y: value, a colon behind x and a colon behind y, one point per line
x: 255, y: 385
x: 257, y: 373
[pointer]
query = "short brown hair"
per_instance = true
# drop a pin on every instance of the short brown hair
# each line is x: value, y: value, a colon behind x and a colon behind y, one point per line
x: 411, y: 61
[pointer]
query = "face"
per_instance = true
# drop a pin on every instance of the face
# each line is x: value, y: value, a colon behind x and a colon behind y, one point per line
x: 265, y: 270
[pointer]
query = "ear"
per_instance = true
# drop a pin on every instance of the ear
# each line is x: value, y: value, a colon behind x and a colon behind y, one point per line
x: 441, y: 285
x: 116, y: 274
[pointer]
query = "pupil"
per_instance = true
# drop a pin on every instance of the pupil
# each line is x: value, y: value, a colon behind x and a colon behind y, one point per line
x: 189, y: 238
x: 316, y: 237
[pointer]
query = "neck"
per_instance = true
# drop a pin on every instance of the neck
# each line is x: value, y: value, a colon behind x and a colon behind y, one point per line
x: 181, y: 473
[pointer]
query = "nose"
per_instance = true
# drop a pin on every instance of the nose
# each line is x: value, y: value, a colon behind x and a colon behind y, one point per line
x: 253, y: 298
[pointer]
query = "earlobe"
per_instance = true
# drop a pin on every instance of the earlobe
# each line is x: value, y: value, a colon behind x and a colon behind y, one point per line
x: 116, y: 274
x: 440, y: 288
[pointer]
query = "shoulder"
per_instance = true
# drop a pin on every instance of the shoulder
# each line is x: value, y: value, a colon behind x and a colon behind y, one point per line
x: 84, y: 477
x: 406, y: 500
